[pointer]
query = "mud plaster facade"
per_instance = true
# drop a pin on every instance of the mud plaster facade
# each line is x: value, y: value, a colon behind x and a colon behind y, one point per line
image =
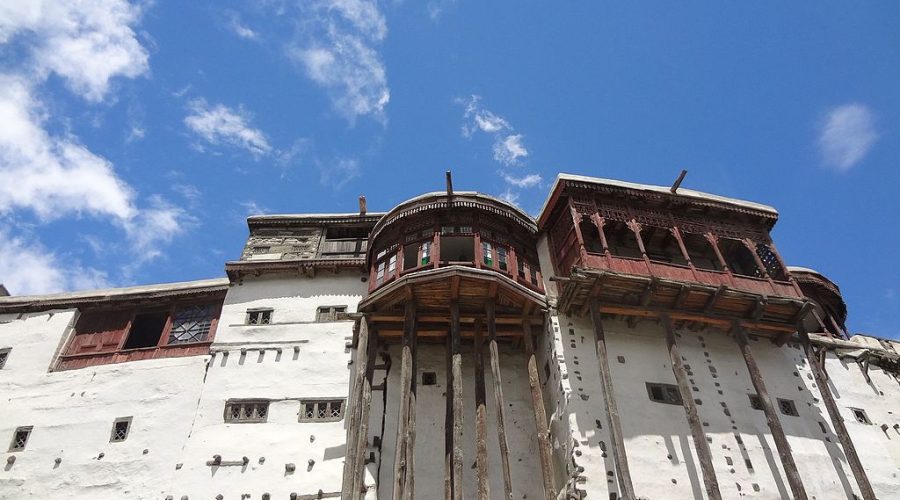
x: 177, y: 404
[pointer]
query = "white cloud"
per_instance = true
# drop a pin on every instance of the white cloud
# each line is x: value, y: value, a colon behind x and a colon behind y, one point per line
x: 336, y: 48
x: 847, y: 135
x: 155, y: 227
x: 510, y: 196
x: 239, y: 29
x: 526, y: 181
x: 87, y: 43
x: 437, y: 8
x: 337, y: 173
x: 26, y: 267
x: 220, y: 124
x: 510, y: 149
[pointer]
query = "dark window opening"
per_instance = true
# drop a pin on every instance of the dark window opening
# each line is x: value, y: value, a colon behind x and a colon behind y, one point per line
x: 621, y: 240
x: 120, y: 430
x: 664, y: 393
x: 20, y: 438
x: 591, y: 236
x: 416, y: 254
x: 788, y: 407
x: 429, y: 378
x: 458, y: 249
x: 739, y: 258
x: 770, y: 262
x: 146, y: 330
x: 755, y: 402
x: 4, y: 355
x: 662, y: 246
x: 860, y: 416
x: 345, y: 242
x: 701, y: 251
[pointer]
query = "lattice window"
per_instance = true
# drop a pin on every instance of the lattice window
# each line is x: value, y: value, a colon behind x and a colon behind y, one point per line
x: 259, y: 316
x: 120, y: 429
x: 331, y: 313
x: 246, y: 411
x: 191, y: 324
x: 770, y: 262
x: 20, y: 438
x: 860, y: 416
x: 4, y: 355
x: 664, y: 393
x: 788, y: 407
x: 321, y: 410
x: 755, y: 402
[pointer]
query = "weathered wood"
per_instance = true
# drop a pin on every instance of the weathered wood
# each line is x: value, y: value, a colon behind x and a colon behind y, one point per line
x: 540, y: 416
x: 448, y: 422
x: 626, y: 487
x: 400, y: 462
x: 353, y: 410
x: 362, y: 442
x: 457, y: 411
x: 781, y: 442
x: 481, y: 458
x: 409, y: 490
x: 690, y: 408
x: 499, y: 401
x: 837, y: 420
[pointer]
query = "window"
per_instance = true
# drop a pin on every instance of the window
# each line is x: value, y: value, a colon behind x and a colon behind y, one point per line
x: 701, y: 251
x: 385, y: 265
x: 494, y: 255
x: 259, y: 316
x: 120, y: 430
x: 770, y: 262
x: 487, y: 251
x: 4, y: 355
x: 429, y: 378
x: 20, y: 438
x: 321, y: 410
x: 502, y: 259
x: 860, y: 416
x: 260, y: 249
x: 739, y: 258
x: 458, y: 249
x: 146, y: 330
x: 755, y: 402
x: 345, y: 242
x: 664, y: 393
x: 191, y: 324
x: 591, y: 236
x: 416, y: 254
x: 621, y: 240
x: 662, y: 246
x: 788, y: 407
x: 246, y: 411
x: 331, y: 313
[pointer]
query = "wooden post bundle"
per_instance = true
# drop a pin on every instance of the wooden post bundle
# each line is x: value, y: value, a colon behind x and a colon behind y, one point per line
x: 626, y: 487
x: 400, y: 454
x: 457, y: 407
x: 693, y: 418
x: 448, y: 421
x: 540, y: 416
x: 498, y: 399
x: 481, y: 458
x: 781, y: 443
x: 354, y: 409
x: 409, y: 489
x: 365, y: 402
x: 865, y: 487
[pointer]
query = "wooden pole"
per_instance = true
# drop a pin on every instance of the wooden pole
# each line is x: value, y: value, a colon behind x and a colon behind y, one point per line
x: 457, y: 410
x: 354, y: 408
x: 865, y: 487
x: 540, y: 416
x: 403, y: 413
x: 359, y: 472
x: 448, y: 422
x: 481, y: 458
x: 781, y: 442
x: 626, y: 487
x: 693, y: 418
x: 409, y: 489
x: 498, y: 399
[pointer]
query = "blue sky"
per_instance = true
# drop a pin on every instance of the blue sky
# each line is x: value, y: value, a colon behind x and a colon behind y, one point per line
x: 137, y: 136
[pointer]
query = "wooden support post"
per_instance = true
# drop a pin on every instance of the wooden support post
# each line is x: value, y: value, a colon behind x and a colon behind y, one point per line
x: 400, y: 461
x: 498, y: 400
x: 457, y: 409
x: 362, y: 357
x: 781, y: 442
x: 448, y: 422
x: 687, y: 257
x: 481, y: 458
x: 362, y: 442
x: 409, y: 489
x: 540, y: 416
x: 865, y: 487
x: 626, y: 487
x: 693, y: 417
x: 636, y: 228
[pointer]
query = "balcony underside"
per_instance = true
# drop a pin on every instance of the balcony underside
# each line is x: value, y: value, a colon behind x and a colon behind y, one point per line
x: 639, y: 296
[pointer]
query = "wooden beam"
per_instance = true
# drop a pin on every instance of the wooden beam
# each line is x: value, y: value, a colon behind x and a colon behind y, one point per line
x: 540, y: 416
x: 626, y: 487
x: 481, y: 458
x: 693, y: 417
x: 353, y: 413
x: 648, y: 312
x: 362, y: 442
x: 454, y: 287
x: 781, y: 442
x: 464, y: 318
x: 865, y: 487
x: 682, y: 296
x: 711, y: 302
x: 457, y: 409
x: 498, y: 400
x: 400, y: 474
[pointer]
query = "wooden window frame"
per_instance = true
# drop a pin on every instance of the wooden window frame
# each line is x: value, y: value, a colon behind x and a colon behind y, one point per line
x: 331, y: 313
x: 261, y: 311
x: 229, y: 418
x: 419, y: 238
x: 317, y: 403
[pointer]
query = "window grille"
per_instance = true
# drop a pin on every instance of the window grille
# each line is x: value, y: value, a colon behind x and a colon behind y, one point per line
x: 191, y: 324
x: 331, y: 313
x: 321, y: 410
x: 20, y: 438
x: 664, y: 393
x: 860, y: 416
x: 246, y: 411
x: 120, y: 429
x: 4, y: 355
x: 788, y: 407
x: 755, y: 402
x: 259, y: 316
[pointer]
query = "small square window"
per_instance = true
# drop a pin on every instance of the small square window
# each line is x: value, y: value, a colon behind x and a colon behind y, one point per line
x: 246, y: 411
x: 755, y: 402
x: 664, y: 393
x: 120, y: 429
x: 260, y: 249
x: 259, y: 316
x: 429, y: 378
x: 4, y: 355
x: 860, y: 416
x: 788, y: 407
x: 20, y: 438
x: 331, y: 313
x: 324, y: 410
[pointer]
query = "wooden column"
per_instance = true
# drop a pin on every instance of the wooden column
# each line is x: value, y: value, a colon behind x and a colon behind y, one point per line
x: 687, y: 256
x: 714, y: 241
x: 599, y: 222
x: 409, y: 489
x: 498, y: 399
x: 448, y: 422
x: 781, y: 442
x: 400, y: 459
x: 540, y: 416
x: 457, y: 408
x: 865, y: 487
x: 626, y: 487
x: 576, y: 220
x: 353, y: 410
x: 481, y: 458
x: 693, y: 418
x: 636, y: 229
x: 749, y: 244
x: 361, y: 444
